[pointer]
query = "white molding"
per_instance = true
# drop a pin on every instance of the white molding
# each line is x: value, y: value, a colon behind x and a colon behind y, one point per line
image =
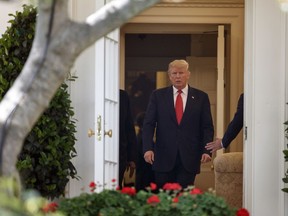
x: 202, y: 3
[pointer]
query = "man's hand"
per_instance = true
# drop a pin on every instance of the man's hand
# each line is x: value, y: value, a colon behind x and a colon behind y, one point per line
x: 205, y: 158
x: 149, y: 157
x: 214, y: 146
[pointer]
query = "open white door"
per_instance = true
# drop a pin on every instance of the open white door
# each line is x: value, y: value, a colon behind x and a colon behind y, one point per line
x: 220, y: 84
x: 107, y: 111
x: 95, y: 96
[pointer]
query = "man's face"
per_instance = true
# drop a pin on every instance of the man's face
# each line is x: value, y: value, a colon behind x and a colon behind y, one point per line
x: 179, y: 77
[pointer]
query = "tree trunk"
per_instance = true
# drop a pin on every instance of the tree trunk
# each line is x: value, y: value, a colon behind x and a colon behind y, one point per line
x: 58, y: 42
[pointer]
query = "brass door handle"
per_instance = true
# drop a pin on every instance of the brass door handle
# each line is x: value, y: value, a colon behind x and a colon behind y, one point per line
x: 109, y: 133
x: 91, y: 133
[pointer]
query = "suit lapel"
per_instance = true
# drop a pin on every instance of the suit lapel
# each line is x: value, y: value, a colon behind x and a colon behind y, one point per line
x: 170, y: 100
x: 191, y: 101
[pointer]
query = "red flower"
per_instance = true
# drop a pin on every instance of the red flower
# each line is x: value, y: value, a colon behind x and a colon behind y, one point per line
x: 50, y: 207
x: 113, y: 180
x: 153, y: 186
x: 172, y: 186
x: 242, y: 212
x: 175, y: 200
x: 154, y: 199
x: 195, y: 191
x: 128, y: 190
x: 92, y: 186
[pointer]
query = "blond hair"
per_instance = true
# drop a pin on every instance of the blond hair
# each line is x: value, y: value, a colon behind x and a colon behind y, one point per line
x: 181, y: 63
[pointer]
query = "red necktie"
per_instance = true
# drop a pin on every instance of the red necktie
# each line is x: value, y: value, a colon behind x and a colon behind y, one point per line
x: 179, y: 107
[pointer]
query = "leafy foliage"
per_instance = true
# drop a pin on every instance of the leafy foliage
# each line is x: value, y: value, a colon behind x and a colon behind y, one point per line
x: 285, y: 179
x: 30, y: 203
x: 45, y: 161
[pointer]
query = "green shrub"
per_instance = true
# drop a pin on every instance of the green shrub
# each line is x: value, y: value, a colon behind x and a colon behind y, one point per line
x: 45, y: 161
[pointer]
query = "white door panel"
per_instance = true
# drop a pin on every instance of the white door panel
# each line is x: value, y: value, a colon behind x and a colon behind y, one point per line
x: 82, y: 94
x: 107, y: 90
x: 220, y: 83
x: 95, y: 96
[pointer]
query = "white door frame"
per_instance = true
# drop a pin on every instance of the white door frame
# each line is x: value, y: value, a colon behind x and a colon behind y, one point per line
x: 264, y: 107
x: 191, y: 16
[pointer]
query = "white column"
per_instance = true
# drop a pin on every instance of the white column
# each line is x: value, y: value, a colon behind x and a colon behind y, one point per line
x: 265, y: 104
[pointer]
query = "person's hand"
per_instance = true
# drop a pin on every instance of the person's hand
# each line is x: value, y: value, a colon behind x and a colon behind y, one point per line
x: 214, y: 146
x: 149, y: 157
x: 132, y: 167
x: 205, y: 158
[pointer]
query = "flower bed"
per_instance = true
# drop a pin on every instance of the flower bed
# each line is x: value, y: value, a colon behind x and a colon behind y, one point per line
x: 170, y: 200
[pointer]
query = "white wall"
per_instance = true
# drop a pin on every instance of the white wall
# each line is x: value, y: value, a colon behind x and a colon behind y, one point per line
x: 265, y: 39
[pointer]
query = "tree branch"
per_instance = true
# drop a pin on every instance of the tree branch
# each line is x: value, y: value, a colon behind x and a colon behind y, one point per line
x: 48, y: 64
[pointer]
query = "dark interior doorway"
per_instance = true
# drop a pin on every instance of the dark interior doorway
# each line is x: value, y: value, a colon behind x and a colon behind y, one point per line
x: 145, y: 54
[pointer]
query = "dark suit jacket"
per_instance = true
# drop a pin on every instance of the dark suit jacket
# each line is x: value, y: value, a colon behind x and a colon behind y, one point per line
x: 188, y: 139
x: 128, y: 141
x: 235, y: 125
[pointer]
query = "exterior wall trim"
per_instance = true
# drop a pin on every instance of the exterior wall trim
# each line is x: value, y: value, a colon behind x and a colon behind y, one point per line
x: 202, y: 3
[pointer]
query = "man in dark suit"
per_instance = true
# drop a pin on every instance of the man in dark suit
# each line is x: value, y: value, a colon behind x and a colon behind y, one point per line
x: 128, y: 141
x: 232, y: 131
x: 179, y: 147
